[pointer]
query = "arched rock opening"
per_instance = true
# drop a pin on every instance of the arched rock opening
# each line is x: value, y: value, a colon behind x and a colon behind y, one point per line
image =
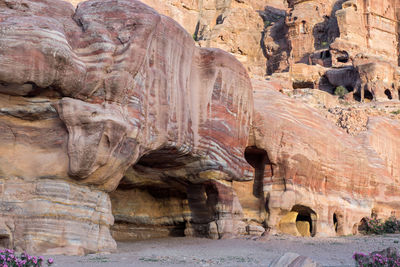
x: 161, y: 196
x: 263, y: 173
x: 388, y: 94
x: 300, y: 221
x: 5, y: 240
x: 337, y: 220
x: 259, y: 160
x: 368, y: 95
x: 362, y: 226
x: 342, y: 57
x: 363, y: 94
x: 305, y: 220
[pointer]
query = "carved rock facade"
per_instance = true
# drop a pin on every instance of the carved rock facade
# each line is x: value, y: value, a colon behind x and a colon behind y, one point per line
x: 311, y: 172
x: 356, y: 37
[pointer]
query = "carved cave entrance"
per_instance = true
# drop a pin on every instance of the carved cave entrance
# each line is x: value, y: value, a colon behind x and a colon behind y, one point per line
x: 258, y: 159
x: 305, y: 220
x: 150, y: 204
x: 368, y: 96
x: 5, y: 241
x: 338, y: 223
x: 388, y: 94
x: 362, y: 226
x: 342, y: 57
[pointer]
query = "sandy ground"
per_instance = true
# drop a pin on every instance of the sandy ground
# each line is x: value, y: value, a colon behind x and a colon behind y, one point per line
x: 179, y: 251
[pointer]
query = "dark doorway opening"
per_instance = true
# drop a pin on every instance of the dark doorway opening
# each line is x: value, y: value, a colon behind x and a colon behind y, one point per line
x: 306, y: 214
x: 335, y: 222
x: 258, y: 159
x: 388, y: 94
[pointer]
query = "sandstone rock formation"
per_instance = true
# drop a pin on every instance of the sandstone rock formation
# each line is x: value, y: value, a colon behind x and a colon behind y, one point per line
x: 233, y: 25
x: 86, y: 94
x: 316, y: 173
x: 295, y: 260
x: 359, y: 38
x: 116, y: 126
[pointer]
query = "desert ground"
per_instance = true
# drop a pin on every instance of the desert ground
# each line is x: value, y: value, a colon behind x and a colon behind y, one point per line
x: 336, y: 251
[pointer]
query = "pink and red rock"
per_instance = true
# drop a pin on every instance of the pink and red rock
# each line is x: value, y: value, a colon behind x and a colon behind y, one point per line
x: 110, y: 112
x: 317, y: 165
x: 87, y: 93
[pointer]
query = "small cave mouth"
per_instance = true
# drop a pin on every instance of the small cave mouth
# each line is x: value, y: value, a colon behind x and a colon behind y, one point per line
x: 303, y: 85
x: 325, y: 54
x: 305, y: 220
x: 338, y: 223
x: 368, y: 95
x: 350, y: 88
x: 362, y: 226
x: 388, y: 94
x: 343, y: 57
x: 303, y: 27
x: 258, y: 159
x: 220, y: 19
x: 5, y: 241
x: 335, y: 222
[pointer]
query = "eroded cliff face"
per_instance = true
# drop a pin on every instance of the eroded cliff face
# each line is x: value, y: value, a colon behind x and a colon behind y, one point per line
x: 117, y: 124
x: 88, y: 93
x: 320, y: 171
x: 232, y: 25
x: 352, y: 43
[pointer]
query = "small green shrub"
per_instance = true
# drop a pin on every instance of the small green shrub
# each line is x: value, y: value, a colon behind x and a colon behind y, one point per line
x: 397, y: 112
x: 341, y: 91
x: 267, y: 23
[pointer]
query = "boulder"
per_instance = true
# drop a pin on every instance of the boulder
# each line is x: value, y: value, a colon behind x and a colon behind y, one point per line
x: 293, y: 260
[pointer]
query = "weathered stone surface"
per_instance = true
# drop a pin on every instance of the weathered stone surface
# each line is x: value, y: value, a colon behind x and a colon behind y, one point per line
x: 49, y: 216
x: 271, y: 36
x: 355, y: 41
x: 111, y: 112
x: 318, y: 170
x: 234, y: 26
x: 88, y: 93
x: 293, y: 260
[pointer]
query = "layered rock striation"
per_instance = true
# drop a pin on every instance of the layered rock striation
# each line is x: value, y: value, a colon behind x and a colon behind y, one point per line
x: 234, y: 26
x: 115, y: 125
x: 88, y: 93
x: 314, y: 172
